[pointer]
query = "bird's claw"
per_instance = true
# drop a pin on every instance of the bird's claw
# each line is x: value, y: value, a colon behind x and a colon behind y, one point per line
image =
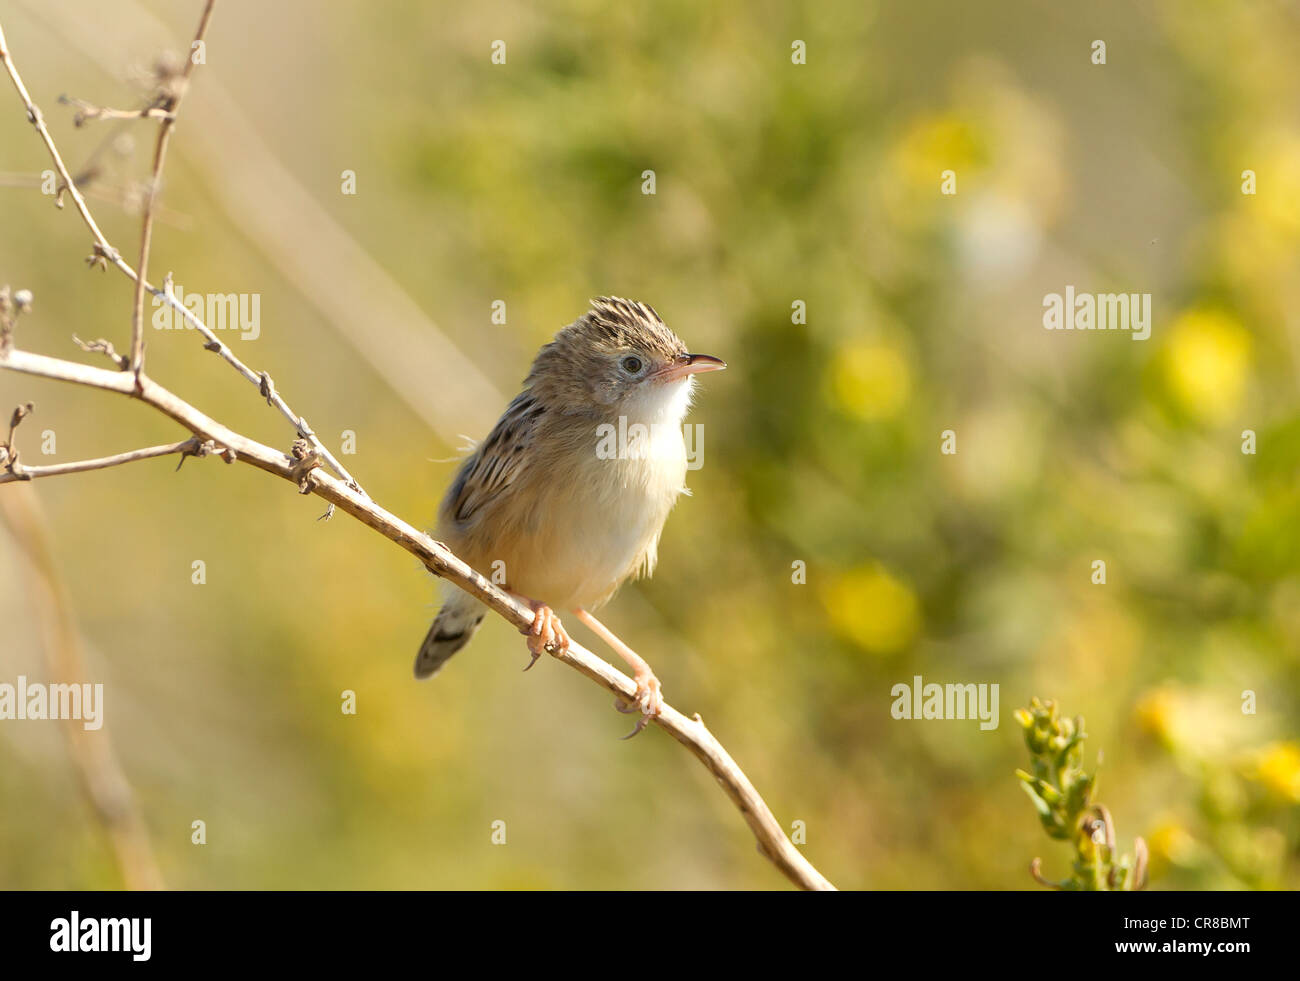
x: 649, y: 701
x: 545, y: 635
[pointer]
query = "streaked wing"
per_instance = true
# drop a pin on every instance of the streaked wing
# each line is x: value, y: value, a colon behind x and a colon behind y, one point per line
x: 497, y: 463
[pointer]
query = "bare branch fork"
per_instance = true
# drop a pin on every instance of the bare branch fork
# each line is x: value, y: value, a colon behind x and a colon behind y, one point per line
x: 104, y: 254
x: 305, y: 468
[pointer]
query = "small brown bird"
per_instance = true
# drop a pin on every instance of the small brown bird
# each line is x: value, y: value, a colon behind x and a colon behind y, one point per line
x: 558, y: 500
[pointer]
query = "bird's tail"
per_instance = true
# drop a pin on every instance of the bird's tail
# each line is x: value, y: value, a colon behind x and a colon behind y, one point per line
x: 452, y: 629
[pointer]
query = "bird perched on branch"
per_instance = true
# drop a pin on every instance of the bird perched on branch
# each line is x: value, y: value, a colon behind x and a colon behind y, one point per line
x: 556, y: 495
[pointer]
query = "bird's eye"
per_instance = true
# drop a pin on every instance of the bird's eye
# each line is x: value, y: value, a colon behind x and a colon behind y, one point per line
x: 631, y: 364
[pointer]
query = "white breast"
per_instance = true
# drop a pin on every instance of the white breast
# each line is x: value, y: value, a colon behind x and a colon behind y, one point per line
x: 602, y: 521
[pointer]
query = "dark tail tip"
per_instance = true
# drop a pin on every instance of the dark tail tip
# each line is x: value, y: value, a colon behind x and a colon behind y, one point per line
x: 441, y: 642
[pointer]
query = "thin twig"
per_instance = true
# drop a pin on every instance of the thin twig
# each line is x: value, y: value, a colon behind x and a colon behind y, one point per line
x: 265, y: 385
x: 16, y: 471
x: 103, y: 347
x: 104, y: 253
x: 89, y: 112
x: 171, y: 103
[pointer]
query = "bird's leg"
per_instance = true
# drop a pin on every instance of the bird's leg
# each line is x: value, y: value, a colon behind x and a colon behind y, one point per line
x: 649, y: 699
x: 546, y: 634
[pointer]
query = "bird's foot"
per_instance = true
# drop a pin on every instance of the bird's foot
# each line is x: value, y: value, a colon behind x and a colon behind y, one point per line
x: 649, y: 700
x: 546, y: 635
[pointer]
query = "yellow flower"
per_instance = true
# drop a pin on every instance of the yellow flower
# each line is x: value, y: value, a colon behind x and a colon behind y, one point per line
x: 1206, y: 363
x: 873, y: 609
x: 1159, y: 713
x: 1277, y: 197
x: 870, y: 379
x: 1170, y: 844
x: 1277, y: 767
x: 933, y: 144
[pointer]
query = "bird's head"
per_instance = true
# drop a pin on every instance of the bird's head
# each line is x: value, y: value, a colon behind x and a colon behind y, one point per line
x: 618, y: 358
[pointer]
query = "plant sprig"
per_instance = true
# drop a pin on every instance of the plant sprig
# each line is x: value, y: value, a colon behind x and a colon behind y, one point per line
x: 1061, y: 792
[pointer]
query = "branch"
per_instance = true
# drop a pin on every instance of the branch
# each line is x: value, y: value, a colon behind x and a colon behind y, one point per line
x: 104, y: 253
x: 261, y: 379
x: 16, y: 471
x: 89, y: 112
x: 171, y: 103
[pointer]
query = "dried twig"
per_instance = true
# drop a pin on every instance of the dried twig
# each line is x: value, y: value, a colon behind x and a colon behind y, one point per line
x: 105, y: 348
x: 17, y: 471
x: 89, y: 112
x: 174, y: 91
x: 103, y: 254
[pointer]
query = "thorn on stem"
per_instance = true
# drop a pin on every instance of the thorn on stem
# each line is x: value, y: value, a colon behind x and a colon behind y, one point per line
x: 197, y: 447
x: 102, y: 255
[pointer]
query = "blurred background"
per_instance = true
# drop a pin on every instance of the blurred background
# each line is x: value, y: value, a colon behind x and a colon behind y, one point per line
x: 775, y: 182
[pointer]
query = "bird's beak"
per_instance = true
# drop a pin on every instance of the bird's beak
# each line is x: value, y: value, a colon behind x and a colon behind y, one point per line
x: 690, y: 364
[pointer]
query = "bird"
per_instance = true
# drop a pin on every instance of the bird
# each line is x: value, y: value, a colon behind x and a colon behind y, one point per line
x: 568, y: 495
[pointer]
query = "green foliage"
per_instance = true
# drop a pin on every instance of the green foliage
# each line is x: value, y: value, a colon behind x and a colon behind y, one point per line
x: 1061, y: 792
